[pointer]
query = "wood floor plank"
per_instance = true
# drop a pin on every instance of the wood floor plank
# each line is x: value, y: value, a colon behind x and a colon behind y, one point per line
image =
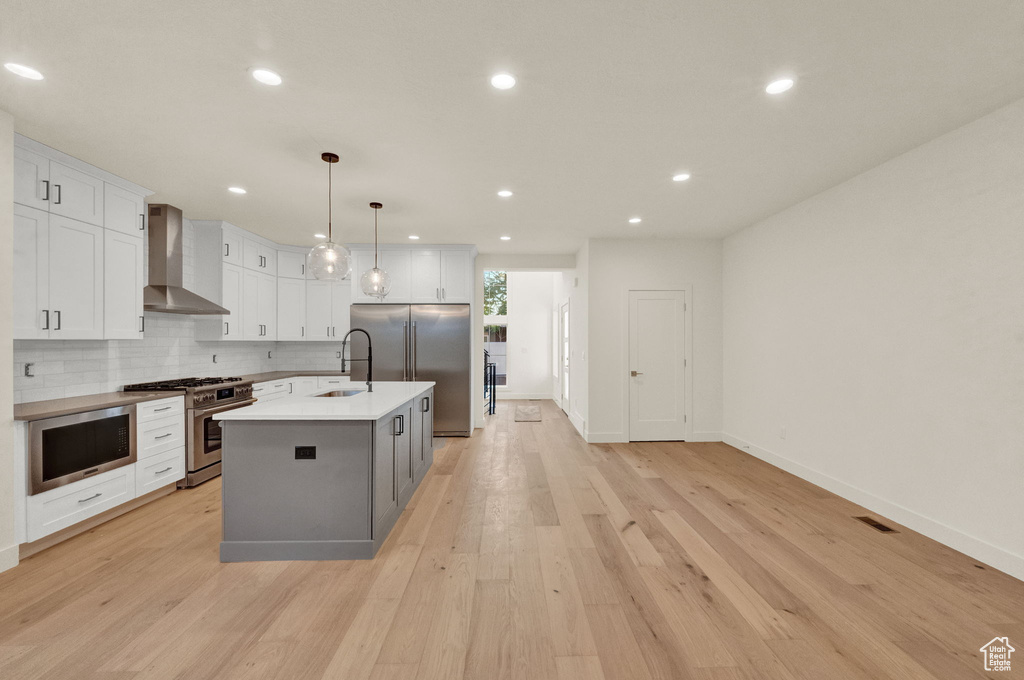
x: 579, y: 668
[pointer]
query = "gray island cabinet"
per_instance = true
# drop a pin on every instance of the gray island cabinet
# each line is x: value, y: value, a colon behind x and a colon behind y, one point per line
x: 323, y: 477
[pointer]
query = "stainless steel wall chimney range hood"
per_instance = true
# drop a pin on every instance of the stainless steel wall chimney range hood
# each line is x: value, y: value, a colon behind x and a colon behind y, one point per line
x: 165, y: 292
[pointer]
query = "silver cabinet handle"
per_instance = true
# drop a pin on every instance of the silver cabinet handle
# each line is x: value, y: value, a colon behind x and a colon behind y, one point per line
x: 334, y: 332
x: 57, y: 327
x: 438, y: 293
x: 46, y: 327
x: 426, y: 404
x: 302, y: 332
x: 164, y: 436
x: 444, y: 295
x: 281, y: 385
x: 142, y: 324
x: 47, y: 183
x: 142, y: 222
x: 227, y: 250
x: 227, y: 328
x: 399, y: 425
x: 165, y: 408
x: 57, y: 187
x: 86, y: 500
x: 635, y: 373
x: 166, y: 469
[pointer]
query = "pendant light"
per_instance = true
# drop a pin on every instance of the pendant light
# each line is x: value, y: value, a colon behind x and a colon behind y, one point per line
x: 375, y: 282
x: 329, y: 261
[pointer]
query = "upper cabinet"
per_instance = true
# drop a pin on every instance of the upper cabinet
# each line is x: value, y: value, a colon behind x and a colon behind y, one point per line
x: 442, y: 274
x: 291, y: 264
x: 78, y: 244
x: 232, y: 243
x: 258, y: 256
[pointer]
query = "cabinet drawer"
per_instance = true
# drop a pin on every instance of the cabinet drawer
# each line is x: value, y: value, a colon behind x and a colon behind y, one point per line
x: 324, y: 381
x: 161, y: 408
x: 158, y: 471
x: 59, y: 508
x: 157, y: 436
x: 265, y: 389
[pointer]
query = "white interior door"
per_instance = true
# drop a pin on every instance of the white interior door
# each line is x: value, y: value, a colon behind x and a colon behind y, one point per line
x: 563, y: 356
x: 656, y: 365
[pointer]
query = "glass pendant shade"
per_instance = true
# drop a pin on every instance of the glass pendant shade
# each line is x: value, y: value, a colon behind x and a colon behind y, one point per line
x: 376, y: 283
x: 329, y: 261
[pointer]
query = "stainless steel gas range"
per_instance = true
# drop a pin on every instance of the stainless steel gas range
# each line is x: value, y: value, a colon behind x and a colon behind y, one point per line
x: 205, y: 398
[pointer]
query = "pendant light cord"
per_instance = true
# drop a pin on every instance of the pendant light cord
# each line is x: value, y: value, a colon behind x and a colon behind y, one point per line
x: 375, y: 238
x: 330, y: 204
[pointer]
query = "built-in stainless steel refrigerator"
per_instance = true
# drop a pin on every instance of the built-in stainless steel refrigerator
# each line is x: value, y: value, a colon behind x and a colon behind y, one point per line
x: 420, y: 342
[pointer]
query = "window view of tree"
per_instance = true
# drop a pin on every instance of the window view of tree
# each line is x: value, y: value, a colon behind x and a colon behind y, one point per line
x: 496, y: 323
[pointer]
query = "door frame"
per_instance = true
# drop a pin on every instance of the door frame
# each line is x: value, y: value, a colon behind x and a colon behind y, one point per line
x: 563, y: 328
x: 687, y: 359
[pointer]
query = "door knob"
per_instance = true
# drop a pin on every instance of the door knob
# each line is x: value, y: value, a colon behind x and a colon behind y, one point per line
x: 635, y: 373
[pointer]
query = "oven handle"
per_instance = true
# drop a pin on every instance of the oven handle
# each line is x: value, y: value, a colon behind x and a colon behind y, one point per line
x: 201, y: 413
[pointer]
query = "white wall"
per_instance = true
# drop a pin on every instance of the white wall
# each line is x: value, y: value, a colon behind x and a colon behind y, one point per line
x: 620, y: 265
x: 882, y: 324
x: 8, y: 545
x: 578, y: 287
x: 531, y: 301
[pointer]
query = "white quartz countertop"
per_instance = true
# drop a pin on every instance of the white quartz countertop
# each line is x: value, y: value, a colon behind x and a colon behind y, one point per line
x: 386, y: 397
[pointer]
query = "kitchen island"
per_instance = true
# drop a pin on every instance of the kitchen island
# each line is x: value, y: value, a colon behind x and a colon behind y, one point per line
x: 325, y: 476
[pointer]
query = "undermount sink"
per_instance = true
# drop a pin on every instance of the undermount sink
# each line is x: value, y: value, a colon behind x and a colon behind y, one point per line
x: 341, y: 393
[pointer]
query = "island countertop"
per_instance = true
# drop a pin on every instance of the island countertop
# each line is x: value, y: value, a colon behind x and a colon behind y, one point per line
x: 386, y: 397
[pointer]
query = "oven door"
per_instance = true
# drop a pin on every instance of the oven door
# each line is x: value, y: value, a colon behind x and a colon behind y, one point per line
x: 204, y: 439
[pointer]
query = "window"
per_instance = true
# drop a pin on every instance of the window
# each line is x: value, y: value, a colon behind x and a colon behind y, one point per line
x: 496, y: 322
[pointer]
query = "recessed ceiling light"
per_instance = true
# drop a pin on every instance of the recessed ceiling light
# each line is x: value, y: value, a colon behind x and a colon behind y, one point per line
x: 506, y: 238
x: 779, y: 86
x: 681, y: 178
x: 266, y: 76
x: 414, y: 237
x: 504, y: 193
x: 319, y: 235
x: 236, y: 190
x: 24, y: 71
x: 503, y: 81
x: 635, y: 220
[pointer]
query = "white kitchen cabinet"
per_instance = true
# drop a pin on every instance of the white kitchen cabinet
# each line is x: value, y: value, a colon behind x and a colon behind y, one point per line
x: 31, y: 179
x: 291, y: 264
x: 123, y: 211
x: 59, y: 508
x: 291, y: 308
x: 231, y: 300
x: 259, y: 256
x: 259, y: 306
x: 394, y: 262
x: 456, y: 276
x: 327, y: 381
x: 425, y: 273
x: 301, y: 386
x: 31, y: 273
x: 232, y: 247
x: 122, y: 286
x: 76, y: 194
x: 327, y: 310
x: 270, y: 390
x: 58, y: 277
x: 160, y: 471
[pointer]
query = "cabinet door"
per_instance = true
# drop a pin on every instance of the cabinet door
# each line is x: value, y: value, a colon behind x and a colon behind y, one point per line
x: 403, y: 456
x: 76, y: 279
x: 425, y: 276
x: 291, y: 265
x: 122, y: 286
x: 252, y: 258
x: 425, y: 449
x: 269, y: 263
x: 233, y: 247
x: 252, y: 325
x: 31, y: 179
x: 268, y: 305
x: 362, y: 261
x: 456, y: 276
x: 341, y: 303
x: 31, y: 276
x: 291, y: 309
x: 123, y: 211
x: 385, y: 492
x: 75, y: 194
x: 231, y: 300
x: 318, y: 310
x: 396, y: 263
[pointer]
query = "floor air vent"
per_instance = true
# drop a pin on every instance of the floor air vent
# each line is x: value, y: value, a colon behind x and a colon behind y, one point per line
x: 875, y: 524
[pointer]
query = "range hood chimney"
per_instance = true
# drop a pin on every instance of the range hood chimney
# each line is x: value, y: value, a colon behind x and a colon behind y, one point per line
x: 165, y: 292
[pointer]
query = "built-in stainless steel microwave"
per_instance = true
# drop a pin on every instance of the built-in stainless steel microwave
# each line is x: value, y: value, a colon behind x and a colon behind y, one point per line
x: 69, y: 448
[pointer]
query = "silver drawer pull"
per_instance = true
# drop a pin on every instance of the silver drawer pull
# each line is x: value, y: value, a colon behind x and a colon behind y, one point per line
x: 165, y: 408
x: 164, y: 436
x: 86, y: 500
x: 166, y: 469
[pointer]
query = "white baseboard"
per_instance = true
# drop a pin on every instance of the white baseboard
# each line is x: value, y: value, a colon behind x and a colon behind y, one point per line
x: 606, y: 438
x: 705, y: 437
x: 8, y: 557
x: 579, y: 423
x: 520, y: 395
x: 985, y: 552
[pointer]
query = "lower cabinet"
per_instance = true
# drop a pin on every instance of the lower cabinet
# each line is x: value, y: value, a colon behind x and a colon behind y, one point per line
x: 301, y: 387
x: 400, y: 458
x: 158, y: 471
x: 59, y: 508
x: 423, y: 436
x: 270, y: 391
x: 385, y: 488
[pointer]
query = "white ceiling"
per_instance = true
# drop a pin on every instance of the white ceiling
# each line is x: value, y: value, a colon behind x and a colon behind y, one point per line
x: 613, y: 99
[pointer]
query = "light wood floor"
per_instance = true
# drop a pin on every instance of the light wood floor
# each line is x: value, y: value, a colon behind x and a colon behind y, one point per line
x: 525, y: 554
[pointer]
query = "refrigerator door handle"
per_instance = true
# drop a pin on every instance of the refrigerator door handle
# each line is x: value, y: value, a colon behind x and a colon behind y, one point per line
x: 413, y: 362
x: 405, y: 350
